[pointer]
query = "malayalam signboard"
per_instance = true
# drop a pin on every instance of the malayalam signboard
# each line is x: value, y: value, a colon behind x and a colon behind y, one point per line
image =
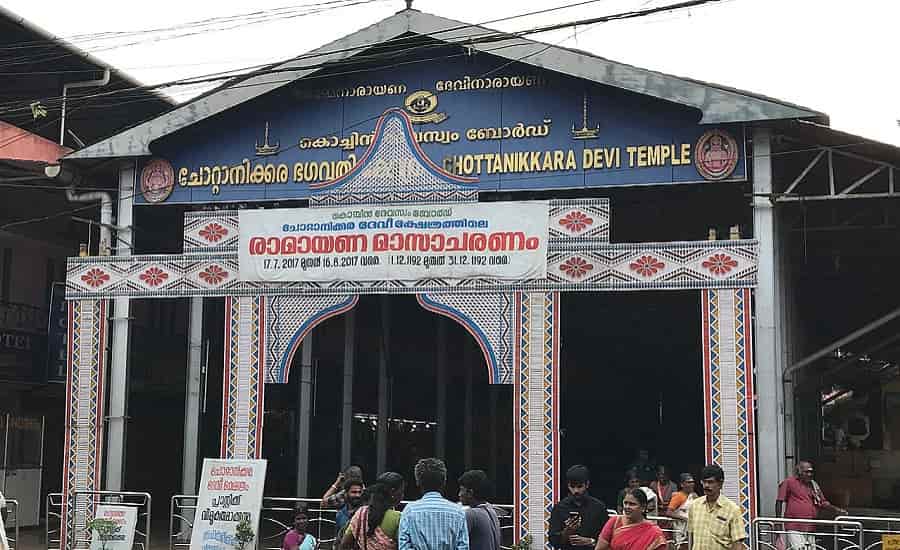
x: 122, y: 536
x: 499, y: 240
x: 522, y: 129
x: 230, y: 491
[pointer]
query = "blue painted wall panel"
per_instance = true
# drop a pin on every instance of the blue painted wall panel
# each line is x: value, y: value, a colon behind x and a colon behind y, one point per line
x: 298, y: 117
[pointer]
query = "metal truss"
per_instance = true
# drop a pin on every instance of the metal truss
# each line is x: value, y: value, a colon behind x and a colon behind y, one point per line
x: 879, y: 175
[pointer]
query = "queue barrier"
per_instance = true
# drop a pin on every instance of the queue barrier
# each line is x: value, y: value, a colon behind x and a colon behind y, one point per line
x: 277, y: 516
x: 11, y: 522
x: 773, y: 534
x: 53, y: 519
x: 874, y: 529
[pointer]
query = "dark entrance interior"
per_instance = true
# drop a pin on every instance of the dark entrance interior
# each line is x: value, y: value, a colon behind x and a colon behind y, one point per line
x: 631, y: 379
x: 411, y: 394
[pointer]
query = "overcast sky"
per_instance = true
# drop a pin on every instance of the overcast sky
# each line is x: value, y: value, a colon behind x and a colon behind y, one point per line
x: 832, y: 56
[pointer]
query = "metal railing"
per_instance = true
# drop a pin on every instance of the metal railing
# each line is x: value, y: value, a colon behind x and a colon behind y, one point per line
x: 874, y: 529
x: 11, y: 523
x: 665, y: 524
x: 805, y: 534
x: 276, y: 518
x: 53, y: 518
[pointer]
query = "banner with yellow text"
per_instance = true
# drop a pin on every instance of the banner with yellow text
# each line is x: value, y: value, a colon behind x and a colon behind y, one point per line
x: 498, y: 240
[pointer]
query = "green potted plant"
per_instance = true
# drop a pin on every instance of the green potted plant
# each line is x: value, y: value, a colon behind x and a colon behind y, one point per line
x: 103, y: 529
x: 523, y: 544
x: 243, y: 535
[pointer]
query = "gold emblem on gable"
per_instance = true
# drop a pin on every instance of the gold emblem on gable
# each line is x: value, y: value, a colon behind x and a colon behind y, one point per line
x: 421, y: 106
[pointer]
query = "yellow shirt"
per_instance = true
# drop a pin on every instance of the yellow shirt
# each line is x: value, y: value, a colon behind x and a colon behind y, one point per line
x: 715, y: 527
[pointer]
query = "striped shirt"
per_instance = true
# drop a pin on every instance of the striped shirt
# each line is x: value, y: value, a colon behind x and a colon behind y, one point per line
x: 433, y: 523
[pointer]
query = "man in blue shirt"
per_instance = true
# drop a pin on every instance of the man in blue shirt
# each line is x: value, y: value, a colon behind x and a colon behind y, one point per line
x: 432, y: 522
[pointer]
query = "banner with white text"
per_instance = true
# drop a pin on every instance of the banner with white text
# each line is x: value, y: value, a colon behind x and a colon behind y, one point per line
x: 230, y: 491
x: 498, y: 240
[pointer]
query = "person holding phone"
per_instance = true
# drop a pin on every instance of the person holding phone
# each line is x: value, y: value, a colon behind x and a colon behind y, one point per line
x: 576, y: 520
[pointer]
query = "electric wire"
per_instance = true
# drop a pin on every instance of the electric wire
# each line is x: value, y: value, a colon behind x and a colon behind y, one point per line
x: 487, y: 36
x: 75, y: 39
x: 587, y: 22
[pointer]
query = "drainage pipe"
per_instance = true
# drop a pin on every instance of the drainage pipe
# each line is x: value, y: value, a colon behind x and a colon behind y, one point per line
x: 69, y: 177
x: 97, y: 83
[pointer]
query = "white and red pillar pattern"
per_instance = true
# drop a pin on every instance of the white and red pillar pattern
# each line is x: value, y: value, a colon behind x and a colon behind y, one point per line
x: 728, y: 392
x: 536, y: 413
x: 244, y: 377
x: 85, y: 390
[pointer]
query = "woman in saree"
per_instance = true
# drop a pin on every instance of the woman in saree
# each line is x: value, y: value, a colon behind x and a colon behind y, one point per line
x: 631, y: 530
x: 375, y: 526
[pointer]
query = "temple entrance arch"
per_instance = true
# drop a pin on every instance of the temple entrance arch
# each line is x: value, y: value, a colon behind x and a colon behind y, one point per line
x: 522, y: 347
x: 429, y: 370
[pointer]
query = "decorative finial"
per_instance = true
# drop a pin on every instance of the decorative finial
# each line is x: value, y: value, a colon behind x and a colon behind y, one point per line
x: 584, y: 132
x: 409, y: 4
x: 265, y: 149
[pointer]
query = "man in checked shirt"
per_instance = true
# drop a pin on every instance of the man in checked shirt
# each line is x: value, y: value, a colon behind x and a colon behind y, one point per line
x: 714, y: 521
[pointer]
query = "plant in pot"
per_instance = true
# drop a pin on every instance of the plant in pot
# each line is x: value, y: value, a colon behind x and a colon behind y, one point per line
x: 243, y: 534
x: 103, y: 529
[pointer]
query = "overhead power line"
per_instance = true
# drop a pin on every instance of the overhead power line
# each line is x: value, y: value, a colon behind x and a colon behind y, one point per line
x: 202, y: 27
x: 483, y: 36
x: 255, y: 16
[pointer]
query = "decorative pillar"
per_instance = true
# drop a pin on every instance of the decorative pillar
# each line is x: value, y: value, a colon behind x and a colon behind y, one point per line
x: 728, y: 392
x: 536, y: 411
x: 243, y: 381
x: 85, y: 388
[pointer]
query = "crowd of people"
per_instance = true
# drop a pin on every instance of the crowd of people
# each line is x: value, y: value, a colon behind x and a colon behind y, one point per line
x: 651, y: 513
x: 367, y: 517
x: 656, y: 513
x: 645, y: 508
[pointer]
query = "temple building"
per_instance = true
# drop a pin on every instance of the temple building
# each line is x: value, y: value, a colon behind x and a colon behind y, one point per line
x: 429, y: 238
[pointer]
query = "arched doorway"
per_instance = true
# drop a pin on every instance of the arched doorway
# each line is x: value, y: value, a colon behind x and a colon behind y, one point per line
x: 423, y: 375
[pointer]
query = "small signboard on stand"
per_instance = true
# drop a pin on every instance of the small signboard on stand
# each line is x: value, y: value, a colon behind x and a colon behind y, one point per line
x: 230, y: 491
x: 120, y: 535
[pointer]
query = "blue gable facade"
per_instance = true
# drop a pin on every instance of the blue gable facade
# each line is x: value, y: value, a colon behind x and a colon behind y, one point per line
x: 510, y: 126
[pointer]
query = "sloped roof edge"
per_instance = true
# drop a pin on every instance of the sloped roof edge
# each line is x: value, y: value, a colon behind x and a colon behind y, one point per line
x: 78, y: 52
x: 717, y: 104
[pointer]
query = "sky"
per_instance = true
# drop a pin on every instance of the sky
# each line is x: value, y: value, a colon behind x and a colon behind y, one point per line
x: 835, y: 57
